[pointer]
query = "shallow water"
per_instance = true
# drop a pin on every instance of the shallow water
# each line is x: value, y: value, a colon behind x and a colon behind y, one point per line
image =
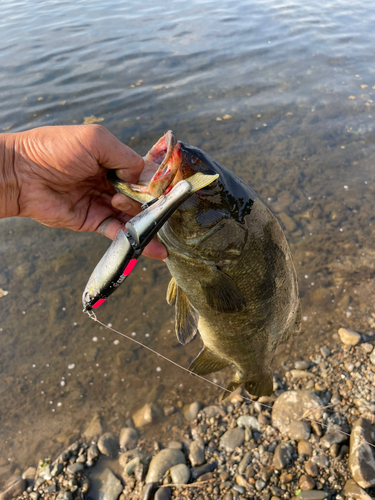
x: 297, y: 82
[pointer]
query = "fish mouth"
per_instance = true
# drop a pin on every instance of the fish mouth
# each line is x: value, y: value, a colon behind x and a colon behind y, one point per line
x: 160, y: 172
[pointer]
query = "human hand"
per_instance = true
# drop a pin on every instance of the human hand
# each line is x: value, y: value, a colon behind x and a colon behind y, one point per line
x: 60, y: 178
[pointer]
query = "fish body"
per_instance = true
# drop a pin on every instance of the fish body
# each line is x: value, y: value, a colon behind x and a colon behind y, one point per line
x: 233, y: 277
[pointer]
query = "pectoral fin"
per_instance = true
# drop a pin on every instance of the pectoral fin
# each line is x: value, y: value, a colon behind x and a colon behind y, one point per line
x: 222, y: 293
x: 172, y: 292
x: 186, y: 318
x: 207, y: 362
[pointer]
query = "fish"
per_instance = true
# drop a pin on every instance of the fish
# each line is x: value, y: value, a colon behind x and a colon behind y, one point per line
x: 233, y: 277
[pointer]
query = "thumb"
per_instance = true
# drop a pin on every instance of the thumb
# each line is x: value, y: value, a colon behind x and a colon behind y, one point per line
x: 112, y: 154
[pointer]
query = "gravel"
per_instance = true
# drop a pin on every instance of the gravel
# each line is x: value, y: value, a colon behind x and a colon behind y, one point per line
x: 294, y: 444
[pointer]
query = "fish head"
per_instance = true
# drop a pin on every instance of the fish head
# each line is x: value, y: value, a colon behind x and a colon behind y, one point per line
x: 168, y: 162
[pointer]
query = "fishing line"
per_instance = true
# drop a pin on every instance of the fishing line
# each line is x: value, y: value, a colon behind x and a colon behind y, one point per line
x: 312, y: 410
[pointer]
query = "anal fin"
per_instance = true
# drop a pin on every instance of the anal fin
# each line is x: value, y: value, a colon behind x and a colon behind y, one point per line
x: 207, y: 362
x: 222, y: 293
x: 186, y: 318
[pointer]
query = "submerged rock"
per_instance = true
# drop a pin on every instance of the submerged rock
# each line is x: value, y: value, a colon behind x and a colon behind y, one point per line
x: 349, y: 337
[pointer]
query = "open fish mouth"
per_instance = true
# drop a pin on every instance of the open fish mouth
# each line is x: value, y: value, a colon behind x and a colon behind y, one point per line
x: 160, y: 173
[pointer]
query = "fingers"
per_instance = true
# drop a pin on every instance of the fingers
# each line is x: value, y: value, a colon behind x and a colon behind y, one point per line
x: 110, y: 227
x: 111, y: 153
x: 125, y: 204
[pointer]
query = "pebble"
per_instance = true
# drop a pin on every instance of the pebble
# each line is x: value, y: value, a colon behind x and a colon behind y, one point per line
x: 128, y: 438
x: 108, y: 444
x: 306, y: 482
x: 163, y: 461
x: 163, y: 494
x: 349, y: 337
x: 109, y: 486
x: 148, y: 414
x: 148, y: 491
x: 282, y: 456
x: 175, y: 444
x: 372, y: 357
x: 202, y: 469
x: 192, y: 411
x: 299, y: 430
x: 239, y: 488
x: 94, y: 429
x: 180, y: 474
x: 131, y: 465
x: 196, y: 452
x: 368, y: 348
x: 301, y: 365
x: 301, y: 374
x: 325, y: 352
x: 244, y: 462
x: 74, y: 468
x: 332, y: 437
x: 212, y: 411
x: 232, y: 438
x: 313, y: 495
x: 321, y: 460
x: 304, y: 448
x: 92, y: 452
x: 249, y: 421
x: 259, y: 484
x: 311, y: 468
x: 29, y: 474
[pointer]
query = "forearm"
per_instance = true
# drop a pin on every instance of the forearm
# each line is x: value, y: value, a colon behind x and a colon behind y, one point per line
x: 9, y: 188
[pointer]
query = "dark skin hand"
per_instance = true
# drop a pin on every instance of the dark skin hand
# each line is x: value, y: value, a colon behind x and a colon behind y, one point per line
x: 57, y: 176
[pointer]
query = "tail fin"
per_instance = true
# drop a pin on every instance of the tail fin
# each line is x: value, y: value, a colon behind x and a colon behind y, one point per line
x: 260, y: 386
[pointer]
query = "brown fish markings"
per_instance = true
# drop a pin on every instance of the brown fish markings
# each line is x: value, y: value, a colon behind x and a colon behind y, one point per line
x: 233, y: 277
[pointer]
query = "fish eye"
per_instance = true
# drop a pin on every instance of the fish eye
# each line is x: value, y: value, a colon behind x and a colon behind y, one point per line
x: 195, y: 160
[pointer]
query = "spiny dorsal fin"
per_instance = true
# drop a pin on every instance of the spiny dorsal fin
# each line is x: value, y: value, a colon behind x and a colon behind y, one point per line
x: 207, y: 362
x: 172, y: 292
x: 186, y: 318
x: 222, y: 293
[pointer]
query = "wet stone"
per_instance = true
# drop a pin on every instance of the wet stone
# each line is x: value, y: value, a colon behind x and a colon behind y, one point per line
x: 110, y: 487
x: 232, y: 438
x: 349, y: 337
x: 244, y: 462
x: 277, y: 491
x: 237, y: 487
x: 177, y: 445
x: 148, y: 414
x: 325, y: 352
x: 29, y: 474
x: 212, y: 411
x: 128, y: 438
x: 108, y: 444
x: 92, y: 452
x: 180, y: 474
x: 286, y: 478
x: 148, y: 491
x: 163, y: 461
x: 368, y: 348
x: 66, y: 495
x: 192, y: 411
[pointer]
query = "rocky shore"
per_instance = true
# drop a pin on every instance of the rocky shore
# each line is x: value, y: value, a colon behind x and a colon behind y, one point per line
x: 313, y: 439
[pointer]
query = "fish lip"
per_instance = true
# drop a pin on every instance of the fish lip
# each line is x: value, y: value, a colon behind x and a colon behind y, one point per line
x: 161, y: 165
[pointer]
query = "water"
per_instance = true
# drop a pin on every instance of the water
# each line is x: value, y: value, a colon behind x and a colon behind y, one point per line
x: 296, y: 80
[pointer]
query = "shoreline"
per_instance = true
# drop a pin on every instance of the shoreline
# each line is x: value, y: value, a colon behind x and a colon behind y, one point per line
x: 293, y: 444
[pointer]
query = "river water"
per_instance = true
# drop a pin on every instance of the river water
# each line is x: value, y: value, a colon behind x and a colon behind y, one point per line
x: 281, y: 92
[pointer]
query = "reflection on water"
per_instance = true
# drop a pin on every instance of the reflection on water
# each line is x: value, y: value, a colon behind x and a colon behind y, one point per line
x: 280, y: 92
